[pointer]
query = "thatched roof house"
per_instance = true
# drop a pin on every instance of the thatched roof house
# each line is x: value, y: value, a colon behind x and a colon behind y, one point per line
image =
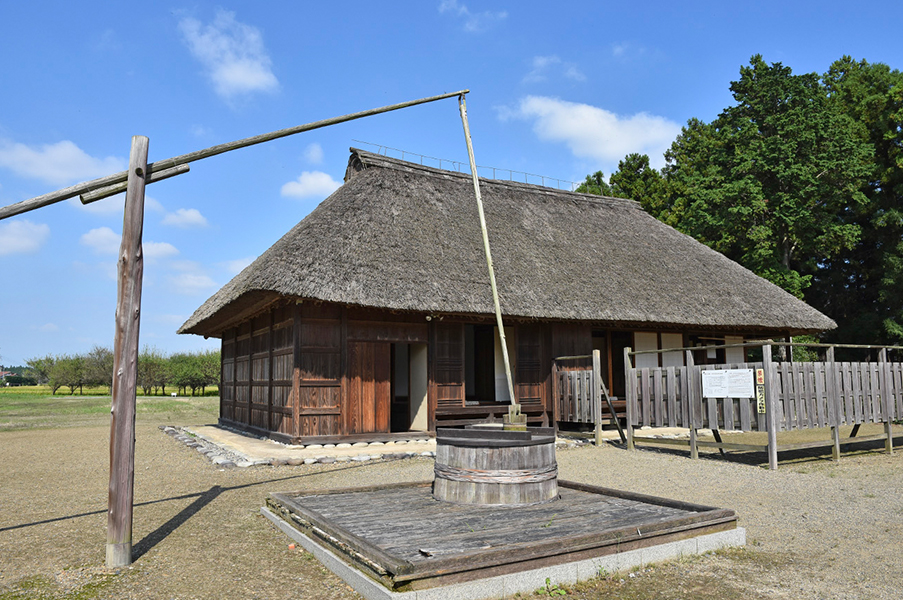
x: 399, y: 242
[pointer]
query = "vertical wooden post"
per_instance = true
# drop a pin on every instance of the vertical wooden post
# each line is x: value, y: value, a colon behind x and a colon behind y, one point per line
x: 834, y: 403
x: 630, y: 396
x: 597, y: 395
x: 886, y: 401
x: 125, y: 365
x: 771, y: 408
x: 691, y: 399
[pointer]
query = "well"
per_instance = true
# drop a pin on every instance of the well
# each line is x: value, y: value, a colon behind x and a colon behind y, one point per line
x: 488, y: 466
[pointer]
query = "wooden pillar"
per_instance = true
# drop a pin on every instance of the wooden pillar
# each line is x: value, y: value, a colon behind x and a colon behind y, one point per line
x: 834, y: 403
x: 597, y: 396
x: 629, y: 395
x: 771, y: 408
x: 886, y: 400
x: 692, y: 392
x: 125, y: 364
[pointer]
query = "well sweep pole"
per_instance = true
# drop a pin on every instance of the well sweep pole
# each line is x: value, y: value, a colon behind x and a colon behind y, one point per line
x: 125, y: 357
x: 169, y: 165
x: 495, y: 294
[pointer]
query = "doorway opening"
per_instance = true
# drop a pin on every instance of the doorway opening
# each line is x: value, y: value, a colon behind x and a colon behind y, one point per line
x: 409, y: 380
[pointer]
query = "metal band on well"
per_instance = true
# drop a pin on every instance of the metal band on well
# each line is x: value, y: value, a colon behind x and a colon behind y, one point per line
x: 497, y: 476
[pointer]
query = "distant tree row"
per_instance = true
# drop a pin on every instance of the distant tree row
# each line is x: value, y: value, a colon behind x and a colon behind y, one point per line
x: 800, y: 181
x: 182, y: 371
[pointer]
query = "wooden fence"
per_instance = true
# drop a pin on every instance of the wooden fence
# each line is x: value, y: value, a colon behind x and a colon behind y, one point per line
x: 580, y: 395
x: 790, y: 396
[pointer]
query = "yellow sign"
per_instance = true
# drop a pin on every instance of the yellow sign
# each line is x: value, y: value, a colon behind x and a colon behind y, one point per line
x: 760, y: 376
x: 760, y: 398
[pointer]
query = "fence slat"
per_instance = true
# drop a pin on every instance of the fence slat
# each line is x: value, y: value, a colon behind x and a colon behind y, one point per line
x: 647, y: 397
x: 658, y: 399
x: 875, y: 396
x: 898, y: 388
x: 671, y: 397
x: 857, y: 392
x: 684, y: 397
x: 818, y: 373
x: 712, y: 413
x: 786, y: 382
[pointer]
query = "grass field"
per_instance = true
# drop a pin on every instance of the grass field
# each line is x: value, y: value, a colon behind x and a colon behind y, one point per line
x: 34, y: 407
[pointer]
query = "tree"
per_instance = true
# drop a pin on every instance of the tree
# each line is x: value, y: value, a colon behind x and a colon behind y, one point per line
x: 595, y: 184
x: 863, y: 287
x: 68, y: 371
x: 98, y: 366
x: 41, y: 367
x: 766, y: 182
x: 153, y: 372
x: 636, y: 180
x: 210, y: 368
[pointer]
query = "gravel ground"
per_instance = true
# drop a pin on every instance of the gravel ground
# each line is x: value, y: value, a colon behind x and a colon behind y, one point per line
x: 817, y: 529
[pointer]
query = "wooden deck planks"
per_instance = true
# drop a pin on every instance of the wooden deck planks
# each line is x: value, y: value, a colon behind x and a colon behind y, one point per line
x: 403, y: 529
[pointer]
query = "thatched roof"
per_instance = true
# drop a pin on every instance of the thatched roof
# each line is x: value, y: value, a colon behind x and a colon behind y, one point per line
x: 406, y: 237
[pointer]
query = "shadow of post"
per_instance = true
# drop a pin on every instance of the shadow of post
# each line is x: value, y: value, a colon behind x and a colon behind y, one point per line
x: 160, y: 533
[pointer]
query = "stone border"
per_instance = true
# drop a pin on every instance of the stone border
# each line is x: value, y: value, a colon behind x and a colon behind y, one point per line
x: 228, y: 459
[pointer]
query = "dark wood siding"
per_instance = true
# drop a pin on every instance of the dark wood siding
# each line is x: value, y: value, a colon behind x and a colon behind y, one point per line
x: 256, y: 372
x: 367, y: 407
x: 530, y: 376
x: 448, y: 365
x: 319, y: 364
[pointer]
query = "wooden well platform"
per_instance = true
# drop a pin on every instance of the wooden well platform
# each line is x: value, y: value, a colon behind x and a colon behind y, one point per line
x: 402, y: 537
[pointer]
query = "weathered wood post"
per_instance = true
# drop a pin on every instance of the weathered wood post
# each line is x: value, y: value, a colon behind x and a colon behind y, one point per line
x: 771, y: 408
x: 630, y: 396
x: 597, y: 395
x: 835, y: 405
x: 125, y: 366
x: 692, y: 394
x: 886, y: 400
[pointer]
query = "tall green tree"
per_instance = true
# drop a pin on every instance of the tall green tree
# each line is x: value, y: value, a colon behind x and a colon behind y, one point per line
x: 595, y: 184
x: 766, y: 181
x: 863, y: 287
x: 637, y: 180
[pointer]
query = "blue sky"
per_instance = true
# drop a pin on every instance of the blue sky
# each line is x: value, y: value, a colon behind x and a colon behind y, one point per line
x: 557, y: 89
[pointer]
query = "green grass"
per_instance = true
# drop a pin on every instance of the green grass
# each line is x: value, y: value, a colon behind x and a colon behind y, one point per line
x: 30, y: 408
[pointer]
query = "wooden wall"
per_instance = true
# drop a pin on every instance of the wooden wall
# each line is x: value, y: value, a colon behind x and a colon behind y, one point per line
x: 308, y: 370
x: 256, y: 384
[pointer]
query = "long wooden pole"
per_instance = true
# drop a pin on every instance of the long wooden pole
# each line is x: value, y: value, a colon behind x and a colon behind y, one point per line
x: 125, y: 356
x: 495, y: 293
x: 169, y: 163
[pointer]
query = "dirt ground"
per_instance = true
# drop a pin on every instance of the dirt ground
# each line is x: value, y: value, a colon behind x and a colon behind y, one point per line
x: 817, y: 529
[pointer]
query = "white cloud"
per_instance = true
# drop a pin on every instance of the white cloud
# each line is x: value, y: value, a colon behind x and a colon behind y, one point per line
x: 595, y: 133
x: 473, y: 22
x: 185, y: 218
x: 158, y: 250
x: 49, y: 328
x: 56, y: 164
x: 545, y: 66
x: 115, y: 205
x: 22, y: 237
x: 311, y: 184
x: 232, y: 53
x: 190, y: 284
x: 237, y: 266
x: 313, y: 153
x: 102, y: 240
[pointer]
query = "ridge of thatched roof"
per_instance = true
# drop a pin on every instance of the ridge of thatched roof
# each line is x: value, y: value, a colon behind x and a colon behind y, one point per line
x: 406, y: 237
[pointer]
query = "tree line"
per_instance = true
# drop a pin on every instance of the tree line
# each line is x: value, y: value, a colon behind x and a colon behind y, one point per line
x: 800, y: 181
x: 182, y: 371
